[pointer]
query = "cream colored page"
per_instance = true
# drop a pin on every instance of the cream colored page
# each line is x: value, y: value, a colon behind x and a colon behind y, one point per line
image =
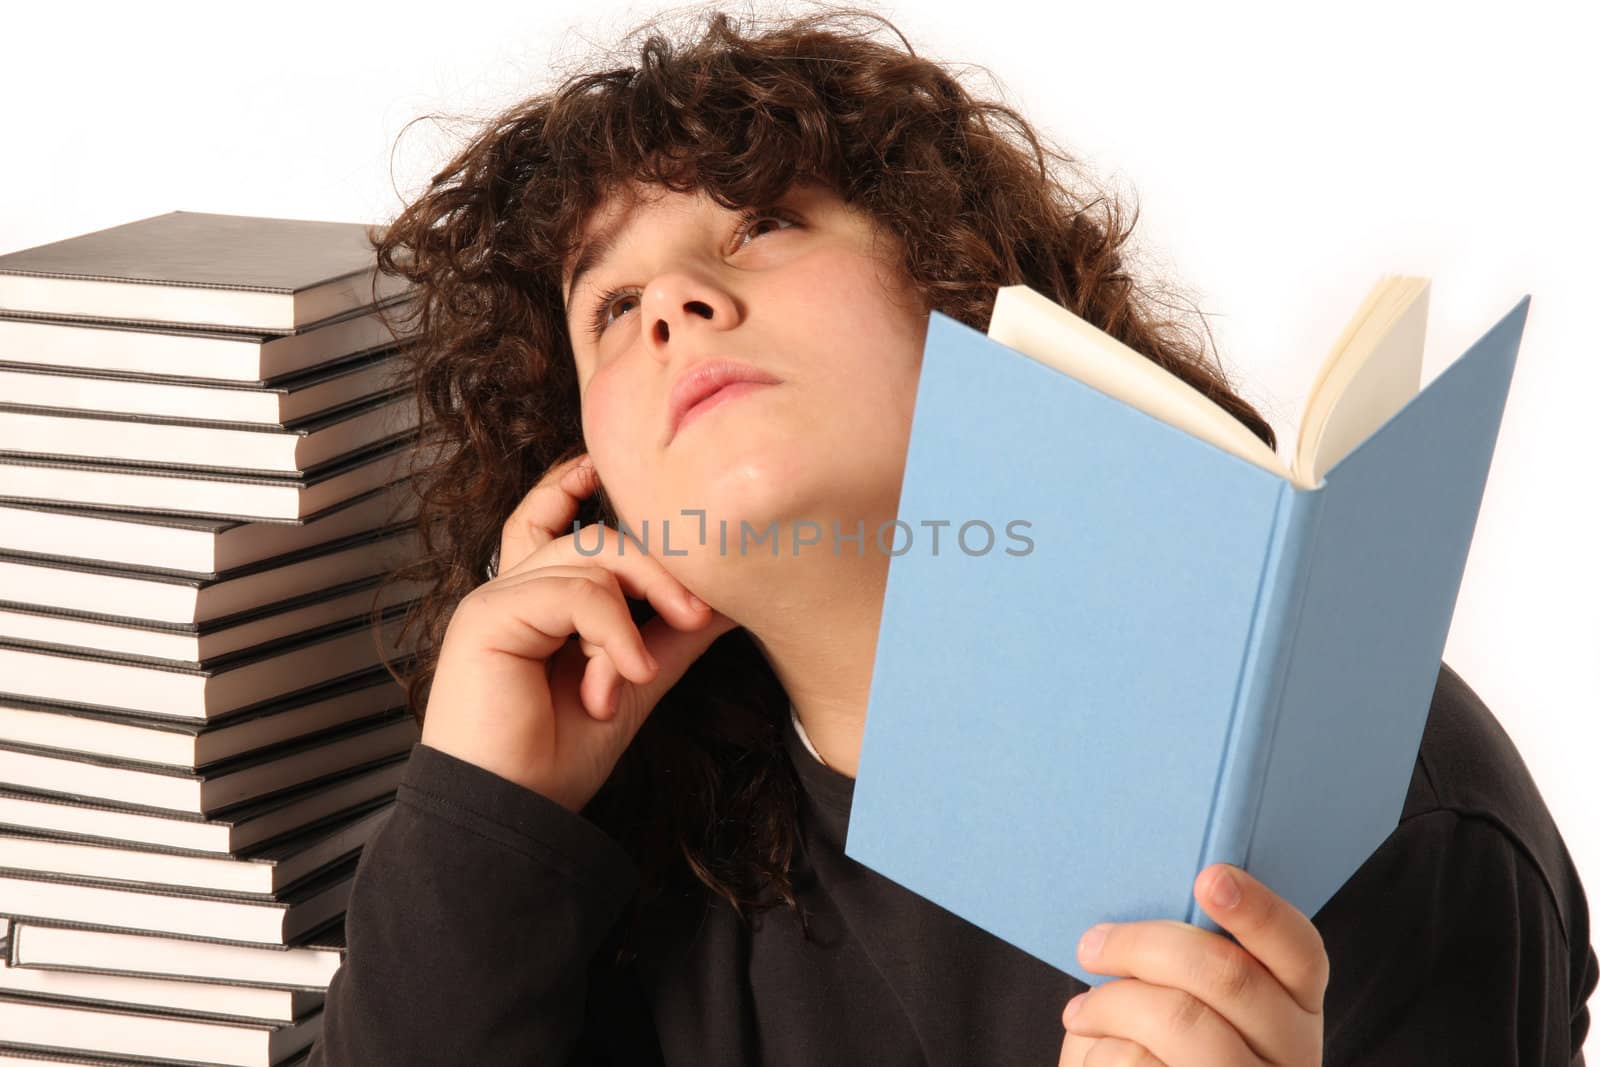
x: 1358, y: 396
x: 1038, y: 327
x: 1361, y: 324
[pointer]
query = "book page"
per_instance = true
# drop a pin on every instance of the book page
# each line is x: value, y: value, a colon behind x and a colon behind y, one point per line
x: 1371, y: 372
x: 1038, y: 327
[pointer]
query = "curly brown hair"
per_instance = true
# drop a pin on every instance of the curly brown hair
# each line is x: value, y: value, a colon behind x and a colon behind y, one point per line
x: 705, y: 792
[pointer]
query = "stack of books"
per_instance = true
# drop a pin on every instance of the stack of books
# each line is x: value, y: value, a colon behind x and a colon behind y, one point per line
x: 204, y: 438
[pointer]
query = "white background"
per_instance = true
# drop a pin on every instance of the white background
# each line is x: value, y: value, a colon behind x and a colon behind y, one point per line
x: 1282, y: 157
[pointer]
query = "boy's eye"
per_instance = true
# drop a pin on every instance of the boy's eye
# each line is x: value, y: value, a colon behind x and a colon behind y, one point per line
x: 747, y: 223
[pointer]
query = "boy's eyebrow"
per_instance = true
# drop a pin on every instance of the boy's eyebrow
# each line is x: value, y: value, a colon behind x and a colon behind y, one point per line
x: 596, y: 250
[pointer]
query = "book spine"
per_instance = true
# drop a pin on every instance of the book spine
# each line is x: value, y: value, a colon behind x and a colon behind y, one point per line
x: 1242, y: 771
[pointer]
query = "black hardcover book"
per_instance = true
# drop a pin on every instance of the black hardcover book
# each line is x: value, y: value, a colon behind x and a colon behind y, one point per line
x: 131, y: 596
x: 201, y: 269
x: 231, y: 832
x: 199, y: 642
x: 216, y: 788
x: 29, y: 1024
x: 298, y: 396
x: 149, y: 540
x: 265, y: 870
x: 204, y: 914
x: 193, y: 746
x: 206, y: 443
x: 248, y: 357
x: 186, y: 690
x: 212, y: 493
x: 309, y: 963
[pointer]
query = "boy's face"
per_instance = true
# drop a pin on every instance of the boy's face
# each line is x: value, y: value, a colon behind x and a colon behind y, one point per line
x: 804, y: 295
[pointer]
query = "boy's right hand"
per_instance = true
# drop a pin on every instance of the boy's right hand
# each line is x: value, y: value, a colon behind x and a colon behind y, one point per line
x: 532, y: 658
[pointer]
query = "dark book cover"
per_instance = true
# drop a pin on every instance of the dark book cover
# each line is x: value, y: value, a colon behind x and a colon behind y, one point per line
x: 196, y: 353
x: 228, y: 832
x: 220, y: 786
x: 311, y: 270
x: 244, y: 495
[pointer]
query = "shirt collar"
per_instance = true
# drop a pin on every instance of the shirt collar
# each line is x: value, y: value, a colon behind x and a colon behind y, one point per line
x: 829, y: 791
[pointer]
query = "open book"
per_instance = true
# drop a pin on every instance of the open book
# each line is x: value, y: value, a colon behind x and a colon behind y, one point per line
x: 1197, y: 654
x: 1373, y: 369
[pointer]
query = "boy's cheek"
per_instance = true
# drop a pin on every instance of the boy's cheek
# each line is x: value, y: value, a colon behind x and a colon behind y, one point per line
x: 606, y: 419
x: 622, y: 435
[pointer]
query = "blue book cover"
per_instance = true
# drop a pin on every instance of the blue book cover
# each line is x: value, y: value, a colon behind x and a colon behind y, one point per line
x: 1135, y: 653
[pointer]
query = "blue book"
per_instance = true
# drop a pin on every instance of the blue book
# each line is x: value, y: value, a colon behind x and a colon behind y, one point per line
x: 1146, y: 644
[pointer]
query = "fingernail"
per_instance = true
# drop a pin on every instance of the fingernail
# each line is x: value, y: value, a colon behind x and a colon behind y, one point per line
x: 655, y: 665
x: 1073, y: 1005
x: 1225, y: 890
x: 695, y: 602
x: 616, y: 699
x: 1089, y: 946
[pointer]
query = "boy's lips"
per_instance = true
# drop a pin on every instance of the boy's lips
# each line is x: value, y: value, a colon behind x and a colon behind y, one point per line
x: 726, y: 394
x: 707, y: 384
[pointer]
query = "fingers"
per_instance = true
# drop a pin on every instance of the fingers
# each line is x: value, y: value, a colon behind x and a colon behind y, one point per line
x: 537, y: 544
x: 674, y: 649
x: 618, y: 653
x: 1158, y: 1021
x: 1204, y: 967
x: 537, y: 626
x: 540, y: 521
x: 1079, y: 1051
x: 547, y: 511
x: 1266, y: 990
x: 1270, y: 929
x: 1115, y: 1052
x: 1074, y: 1050
x: 640, y: 576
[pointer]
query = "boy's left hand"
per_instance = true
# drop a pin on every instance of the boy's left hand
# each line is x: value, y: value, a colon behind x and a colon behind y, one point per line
x: 1187, y: 997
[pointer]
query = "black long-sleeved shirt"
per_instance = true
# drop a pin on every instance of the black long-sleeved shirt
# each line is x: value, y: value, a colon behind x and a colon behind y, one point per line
x: 1464, y: 939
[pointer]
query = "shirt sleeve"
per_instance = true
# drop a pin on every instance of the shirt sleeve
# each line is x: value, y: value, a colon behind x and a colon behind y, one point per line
x: 1448, y: 946
x: 472, y: 919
